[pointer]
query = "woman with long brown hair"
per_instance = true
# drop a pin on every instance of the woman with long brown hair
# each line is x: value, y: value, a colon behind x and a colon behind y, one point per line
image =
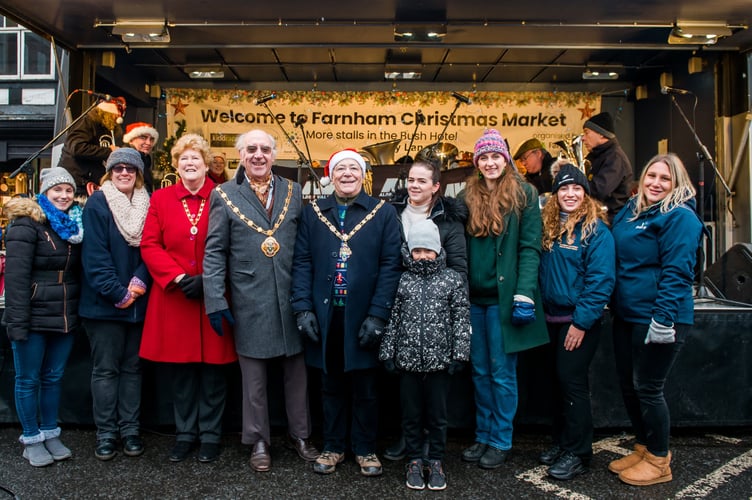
x: 504, y: 244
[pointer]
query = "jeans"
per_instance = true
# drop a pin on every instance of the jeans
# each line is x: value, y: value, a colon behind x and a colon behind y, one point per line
x: 573, y: 417
x: 39, y: 362
x: 494, y: 378
x: 643, y: 369
x: 115, y: 376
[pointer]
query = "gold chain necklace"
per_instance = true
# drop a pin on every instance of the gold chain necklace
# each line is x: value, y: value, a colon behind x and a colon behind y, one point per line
x: 194, y: 219
x: 344, y: 250
x: 270, y: 246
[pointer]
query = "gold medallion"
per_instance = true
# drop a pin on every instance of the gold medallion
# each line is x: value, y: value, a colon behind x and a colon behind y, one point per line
x: 270, y: 246
x: 344, y: 251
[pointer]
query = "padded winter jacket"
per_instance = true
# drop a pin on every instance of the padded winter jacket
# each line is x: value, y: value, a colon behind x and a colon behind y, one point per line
x: 42, y: 274
x: 429, y: 325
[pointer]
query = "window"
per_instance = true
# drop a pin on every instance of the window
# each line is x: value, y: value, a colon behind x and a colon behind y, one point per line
x: 23, y: 55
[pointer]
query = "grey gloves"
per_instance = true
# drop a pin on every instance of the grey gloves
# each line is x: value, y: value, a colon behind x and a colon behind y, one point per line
x: 660, y: 334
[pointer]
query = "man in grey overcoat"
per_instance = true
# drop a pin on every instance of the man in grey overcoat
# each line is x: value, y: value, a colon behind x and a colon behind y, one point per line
x: 253, y: 221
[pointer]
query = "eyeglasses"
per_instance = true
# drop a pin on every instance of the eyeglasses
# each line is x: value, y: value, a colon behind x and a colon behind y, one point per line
x: 253, y: 148
x: 527, y: 155
x: 119, y: 169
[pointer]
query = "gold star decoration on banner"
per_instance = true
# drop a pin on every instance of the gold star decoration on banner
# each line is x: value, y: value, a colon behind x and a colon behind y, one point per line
x: 586, y: 111
x: 179, y: 107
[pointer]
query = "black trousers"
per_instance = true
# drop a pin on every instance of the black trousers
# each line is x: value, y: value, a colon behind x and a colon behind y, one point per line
x: 643, y: 369
x: 352, y: 394
x: 199, y: 391
x: 573, y: 417
x: 424, y: 406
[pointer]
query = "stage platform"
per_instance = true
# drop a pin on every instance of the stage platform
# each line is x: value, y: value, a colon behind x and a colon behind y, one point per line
x: 710, y: 385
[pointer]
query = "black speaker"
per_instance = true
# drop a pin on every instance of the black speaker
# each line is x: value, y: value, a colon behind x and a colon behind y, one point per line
x: 731, y: 276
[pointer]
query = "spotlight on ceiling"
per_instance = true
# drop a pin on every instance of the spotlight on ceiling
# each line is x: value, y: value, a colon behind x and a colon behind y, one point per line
x: 402, y: 75
x: 698, y: 32
x: 419, y: 33
x: 205, y: 73
x: 141, y: 30
x: 591, y: 74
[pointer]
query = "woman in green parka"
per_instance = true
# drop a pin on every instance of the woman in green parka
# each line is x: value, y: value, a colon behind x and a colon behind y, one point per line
x: 504, y: 244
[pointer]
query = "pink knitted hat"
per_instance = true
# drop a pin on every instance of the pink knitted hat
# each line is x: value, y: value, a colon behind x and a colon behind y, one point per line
x: 491, y: 142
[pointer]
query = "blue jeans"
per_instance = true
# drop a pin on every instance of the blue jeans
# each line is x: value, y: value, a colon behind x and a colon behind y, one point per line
x: 494, y: 377
x: 40, y: 362
x: 115, y: 376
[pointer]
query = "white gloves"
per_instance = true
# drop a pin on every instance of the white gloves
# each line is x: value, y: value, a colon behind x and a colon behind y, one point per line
x: 660, y: 334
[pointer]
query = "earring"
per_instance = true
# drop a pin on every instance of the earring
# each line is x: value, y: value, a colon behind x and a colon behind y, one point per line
x: 480, y: 175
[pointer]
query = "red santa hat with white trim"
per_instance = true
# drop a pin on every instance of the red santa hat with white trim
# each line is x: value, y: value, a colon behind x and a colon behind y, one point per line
x: 337, y: 157
x: 138, y: 129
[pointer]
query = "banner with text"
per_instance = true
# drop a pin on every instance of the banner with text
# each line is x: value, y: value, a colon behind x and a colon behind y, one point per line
x: 393, y: 122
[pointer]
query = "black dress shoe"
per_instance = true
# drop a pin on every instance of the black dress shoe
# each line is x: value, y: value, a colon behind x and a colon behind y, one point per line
x: 208, y: 452
x: 567, y: 466
x: 493, y: 458
x: 551, y: 455
x: 133, y: 446
x: 474, y: 453
x: 396, y: 451
x: 304, y: 448
x: 180, y: 451
x: 106, y: 449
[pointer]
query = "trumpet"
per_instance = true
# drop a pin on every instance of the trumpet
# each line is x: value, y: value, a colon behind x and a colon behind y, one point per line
x: 572, y: 149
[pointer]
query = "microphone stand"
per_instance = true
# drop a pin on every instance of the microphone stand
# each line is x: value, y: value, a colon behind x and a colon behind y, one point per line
x: 419, y: 120
x: 302, y: 160
x: 299, y: 123
x: 456, y: 107
x: 26, y: 167
x: 702, y: 289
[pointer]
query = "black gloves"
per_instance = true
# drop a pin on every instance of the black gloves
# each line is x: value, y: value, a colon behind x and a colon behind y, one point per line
x: 308, y: 325
x: 216, y: 318
x: 455, y: 367
x: 192, y: 286
x: 370, y: 332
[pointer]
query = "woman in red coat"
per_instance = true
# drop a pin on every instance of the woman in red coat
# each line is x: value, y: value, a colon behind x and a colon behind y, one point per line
x: 177, y: 331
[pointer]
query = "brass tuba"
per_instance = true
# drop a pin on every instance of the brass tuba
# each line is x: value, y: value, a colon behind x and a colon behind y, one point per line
x: 572, y: 149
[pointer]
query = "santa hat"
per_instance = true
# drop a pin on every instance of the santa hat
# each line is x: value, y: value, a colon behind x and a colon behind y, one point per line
x: 138, y: 129
x: 337, y: 157
x: 116, y: 106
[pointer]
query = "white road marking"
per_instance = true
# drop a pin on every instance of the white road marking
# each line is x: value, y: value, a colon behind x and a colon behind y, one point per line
x: 613, y: 444
x: 537, y: 477
x: 706, y: 485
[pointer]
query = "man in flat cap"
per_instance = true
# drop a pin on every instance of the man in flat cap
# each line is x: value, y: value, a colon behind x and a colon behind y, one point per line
x: 532, y: 155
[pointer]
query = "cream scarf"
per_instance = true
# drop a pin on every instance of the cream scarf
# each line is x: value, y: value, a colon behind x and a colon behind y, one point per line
x: 129, y: 214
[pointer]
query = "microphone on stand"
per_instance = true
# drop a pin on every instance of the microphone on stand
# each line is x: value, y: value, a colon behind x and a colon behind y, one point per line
x: 461, y: 98
x: 300, y: 120
x: 98, y: 95
x: 671, y: 90
x: 262, y: 100
x: 420, y: 118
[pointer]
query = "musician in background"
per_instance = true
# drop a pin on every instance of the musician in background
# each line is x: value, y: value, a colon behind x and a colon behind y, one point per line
x: 611, y: 176
x: 89, y: 143
x: 532, y: 155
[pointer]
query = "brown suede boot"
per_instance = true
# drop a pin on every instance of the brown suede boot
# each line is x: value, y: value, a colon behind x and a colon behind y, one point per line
x: 623, y: 463
x: 651, y: 470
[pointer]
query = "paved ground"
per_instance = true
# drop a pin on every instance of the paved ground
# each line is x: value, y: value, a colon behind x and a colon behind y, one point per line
x: 707, y: 464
